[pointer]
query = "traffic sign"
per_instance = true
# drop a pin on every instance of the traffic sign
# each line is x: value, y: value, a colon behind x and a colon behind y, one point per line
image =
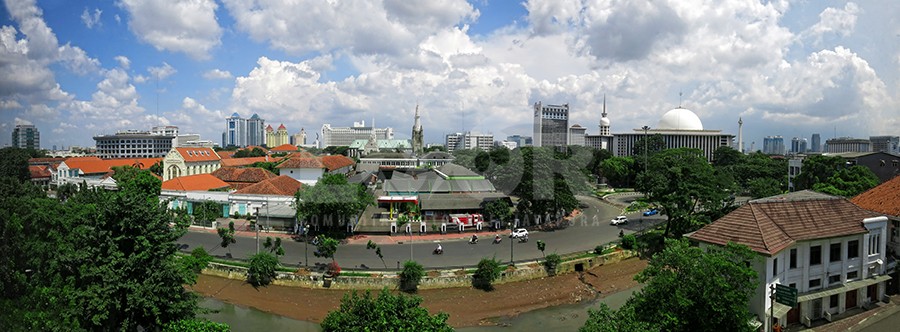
x: 786, y: 295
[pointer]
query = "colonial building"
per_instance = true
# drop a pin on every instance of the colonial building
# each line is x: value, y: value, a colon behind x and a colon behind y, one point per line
x: 885, y: 199
x: 190, y: 161
x: 827, y: 248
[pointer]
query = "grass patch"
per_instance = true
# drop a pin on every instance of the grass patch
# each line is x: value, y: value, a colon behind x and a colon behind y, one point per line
x: 346, y: 273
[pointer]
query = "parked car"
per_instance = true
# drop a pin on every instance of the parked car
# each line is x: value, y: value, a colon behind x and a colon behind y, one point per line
x: 619, y: 220
x: 518, y: 232
x: 651, y: 212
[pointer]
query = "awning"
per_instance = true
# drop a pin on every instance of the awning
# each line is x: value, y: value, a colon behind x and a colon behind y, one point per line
x: 394, y: 199
x: 842, y: 288
x: 781, y: 310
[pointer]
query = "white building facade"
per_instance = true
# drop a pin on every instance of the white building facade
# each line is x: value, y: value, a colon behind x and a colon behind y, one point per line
x: 469, y: 140
x: 133, y: 144
x: 344, y: 136
x: 828, y: 249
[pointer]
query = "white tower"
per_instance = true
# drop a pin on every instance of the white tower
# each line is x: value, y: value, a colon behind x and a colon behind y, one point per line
x: 604, y: 121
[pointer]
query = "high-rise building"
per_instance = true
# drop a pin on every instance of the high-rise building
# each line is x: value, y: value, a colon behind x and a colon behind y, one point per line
x: 847, y: 144
x: 235, y: 131
x: 815, y: 143
x: 773, y: 145
x: 299, y: 139
x: 469, y: 140
x: 256, y: 131
x: 418, y: 136
x: 26, y: 136
x: 798, y: 145
x: 276, y: 137
x: 551, y: 125
x: 344, y: 136
x: 576, y: 135
x: 520, y: 140
x: 133, y: 144
x: 889, y: 144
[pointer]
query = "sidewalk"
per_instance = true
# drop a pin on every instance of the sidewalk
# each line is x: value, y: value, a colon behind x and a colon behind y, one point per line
x: 859, y: 321
x: 242, y: 229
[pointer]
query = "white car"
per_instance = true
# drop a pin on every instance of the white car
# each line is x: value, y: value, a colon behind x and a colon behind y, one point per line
x: 619, y: 220
x: 519, y: 232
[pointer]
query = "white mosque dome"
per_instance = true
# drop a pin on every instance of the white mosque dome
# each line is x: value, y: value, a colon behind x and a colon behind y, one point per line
x: 604, y: 121
x: 679, y: 119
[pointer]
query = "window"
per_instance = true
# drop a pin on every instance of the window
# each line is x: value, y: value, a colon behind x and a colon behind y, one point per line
x: 853, y: 249
x: 874, y: 244
x: 815, y: 255
x: 774, y: 267
x: 852, y: 275
x: 835, y: 253
x: 834, y: 279
x: 815, y: 283
x: 793, y: 260
x: 833, y: 301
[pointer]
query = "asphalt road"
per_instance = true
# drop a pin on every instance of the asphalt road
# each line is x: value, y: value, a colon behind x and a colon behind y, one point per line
x: 584, y: 235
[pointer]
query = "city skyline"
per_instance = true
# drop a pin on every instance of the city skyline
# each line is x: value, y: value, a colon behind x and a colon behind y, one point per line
x: 75, y: 71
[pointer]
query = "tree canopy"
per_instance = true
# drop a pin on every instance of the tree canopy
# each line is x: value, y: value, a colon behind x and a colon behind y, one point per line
x: 684, y: 184
x: 98, y: 260
x: 386, y: 312
x: 848, y: 182
x: 682, y: 284
x: 246, y: 153
x: 332, y: 196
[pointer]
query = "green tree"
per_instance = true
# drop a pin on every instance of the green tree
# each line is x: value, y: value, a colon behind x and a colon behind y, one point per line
x: 371, y: 245
x: 410, y: 276
x: 227, y: 235
x: 763, y: 187
x: 551, y: 263
x: 681, y: 284
x: 274, y: 247
x: 848, y: 182
x: 726, y: 156
x: 157, y: 168
x: 262, y: 269
x: 14, y: 163
x: 435, y: 148
x: 498, y: 210
x: 267, y: 165
x: 99, y: 260
x: 386, y: 312
x: 486, y: 272
x: 195, y: 325
x: 618, y: 170
x: 207, y: 212
x: 332, y: 196
x: 337, y: 150
x: 684, y: 184
x: 247, y: 153
x: 194, y: 263
x: 482, y: 161
x: 817, y: 169
x: 327, y: 247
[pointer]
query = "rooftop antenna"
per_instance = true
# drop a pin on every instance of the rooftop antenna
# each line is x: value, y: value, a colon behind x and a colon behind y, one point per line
x: 604, y: 105
x: 157, y: 99
x: 679, y: 98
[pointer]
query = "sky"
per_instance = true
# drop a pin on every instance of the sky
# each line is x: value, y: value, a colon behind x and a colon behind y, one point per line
x: 76, y: 69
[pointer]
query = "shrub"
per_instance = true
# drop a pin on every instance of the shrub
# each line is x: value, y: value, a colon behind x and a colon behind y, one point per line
x: 195, y: 325
x: 262, y: 269
x: 551, y: 263
x: 629, y: 241
x: 333, y: 269
x: 598, y: 250
x: 487, y: 271
x: 411, y: 276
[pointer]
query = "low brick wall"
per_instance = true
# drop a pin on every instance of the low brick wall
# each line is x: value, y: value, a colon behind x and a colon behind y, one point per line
x: 433, y: 279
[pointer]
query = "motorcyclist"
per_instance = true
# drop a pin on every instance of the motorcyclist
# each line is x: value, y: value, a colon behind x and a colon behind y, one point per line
x: 474, y: 238
x: 439, y: 249
x: 497, y: 238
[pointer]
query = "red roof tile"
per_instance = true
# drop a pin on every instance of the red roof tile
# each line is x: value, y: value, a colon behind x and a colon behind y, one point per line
x: 281, y: 186
x: 772, y: 224
x: 302, y: 162
x: 884, y: 198
x: 249, y: 175
x: 197, y: 182
x: 281, y: 127
x: 240, y: 162
x: 226, y: 154
x: 198, y: 154
x: 93, y: 165
x: 336, y: 162
x: 45, y: 161
x: 284, y: 148
x: 39, y: 172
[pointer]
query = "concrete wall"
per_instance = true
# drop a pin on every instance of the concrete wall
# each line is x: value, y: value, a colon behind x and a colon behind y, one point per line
x: 433, y: 279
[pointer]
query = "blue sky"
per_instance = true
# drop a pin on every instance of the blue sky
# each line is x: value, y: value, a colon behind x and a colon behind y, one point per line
x: 81, y: 68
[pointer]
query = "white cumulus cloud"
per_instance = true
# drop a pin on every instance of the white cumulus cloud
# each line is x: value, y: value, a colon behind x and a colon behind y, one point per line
x: 186, y: 26
x: 91, y: 19
x: 217, y: 74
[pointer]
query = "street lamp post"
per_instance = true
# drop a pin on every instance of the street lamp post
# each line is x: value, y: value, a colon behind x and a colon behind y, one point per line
x: 510, y: 244
x: 646, y: 145
x: 256, y: 225
x: 306, y: 242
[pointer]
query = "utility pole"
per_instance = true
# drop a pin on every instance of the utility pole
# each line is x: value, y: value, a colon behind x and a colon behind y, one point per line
x: 646, y: 146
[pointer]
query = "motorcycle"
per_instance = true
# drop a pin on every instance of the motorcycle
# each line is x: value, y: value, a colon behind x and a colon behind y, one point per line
x: 473, y: 240
x: 438, y: 252
x: 497, y: 239
x: 523, y: 239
